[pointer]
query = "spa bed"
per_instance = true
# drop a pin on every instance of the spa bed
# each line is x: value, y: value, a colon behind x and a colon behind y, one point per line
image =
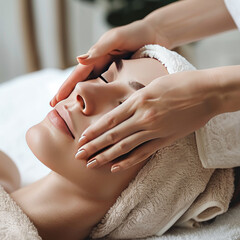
x: 24, y: 101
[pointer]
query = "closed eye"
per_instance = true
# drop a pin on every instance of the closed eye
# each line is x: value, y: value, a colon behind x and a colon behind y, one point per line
x: 103, y: 79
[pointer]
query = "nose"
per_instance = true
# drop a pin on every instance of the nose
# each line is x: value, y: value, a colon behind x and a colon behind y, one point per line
x: 83, y: 97
x: 81, y: 102
x: 94, y: 98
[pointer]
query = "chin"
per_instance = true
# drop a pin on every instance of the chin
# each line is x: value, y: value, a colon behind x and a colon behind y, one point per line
x: 48, y: 145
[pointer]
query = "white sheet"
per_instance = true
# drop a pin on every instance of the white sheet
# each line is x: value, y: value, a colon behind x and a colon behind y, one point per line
x: 24, y: 101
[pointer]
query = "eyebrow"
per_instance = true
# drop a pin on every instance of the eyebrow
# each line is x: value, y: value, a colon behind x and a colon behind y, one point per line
x: 135, y: 85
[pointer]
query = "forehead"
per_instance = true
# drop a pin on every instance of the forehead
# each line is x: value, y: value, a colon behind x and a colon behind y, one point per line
x: 143, y: 70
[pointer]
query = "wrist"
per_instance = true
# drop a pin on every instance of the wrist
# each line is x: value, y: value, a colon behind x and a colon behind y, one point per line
x: 208, y: 92
x: 228, y: 84
x: 157, y: 33
x: 159, y: 29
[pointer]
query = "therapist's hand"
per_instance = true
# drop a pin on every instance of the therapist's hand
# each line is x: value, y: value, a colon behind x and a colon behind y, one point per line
x: 167, y: 109
x: 80, y: 73
x: 118, y: 42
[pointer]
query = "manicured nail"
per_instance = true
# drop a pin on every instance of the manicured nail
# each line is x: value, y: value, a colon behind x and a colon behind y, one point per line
x: 81, y: 154
x: 115, y: 169
x: 57, y: 97
x: 51, y: 104
x: 83, y: 56
x: 82, y: 140
x: 92, y: 163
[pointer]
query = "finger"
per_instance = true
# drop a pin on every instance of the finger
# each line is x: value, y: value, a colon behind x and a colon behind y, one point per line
x: 121, y: 148
x: 107, y: 42
x: 107, y: 58
x: 121, y: 131
x: 79, y: 74
x: 141, y: 153
x: 101, y: 64
x: 53, y: 102
x: 108, y: 121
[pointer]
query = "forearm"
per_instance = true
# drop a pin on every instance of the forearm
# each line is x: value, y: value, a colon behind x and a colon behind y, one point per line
x: 201, y: 94
x: 189, y: 20
x: 216, y: 89
x: 228, y: 81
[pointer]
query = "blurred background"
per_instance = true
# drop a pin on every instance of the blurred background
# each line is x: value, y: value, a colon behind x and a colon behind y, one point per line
x: 37, y: 34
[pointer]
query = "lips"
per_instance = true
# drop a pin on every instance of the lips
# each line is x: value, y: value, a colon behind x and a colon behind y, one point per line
x: 60, y: 118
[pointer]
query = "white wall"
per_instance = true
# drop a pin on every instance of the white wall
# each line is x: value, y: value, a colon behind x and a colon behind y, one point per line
x: 12, y: 60
x: 85, y: 24
x: 219, y: 50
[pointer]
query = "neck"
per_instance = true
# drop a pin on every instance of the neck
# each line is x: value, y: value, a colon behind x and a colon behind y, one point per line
x: 59, y: 209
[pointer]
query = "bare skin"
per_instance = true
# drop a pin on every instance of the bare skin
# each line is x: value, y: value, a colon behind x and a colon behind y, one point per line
x: 169, y: 108
x: 170, y: 26
x: 72, y: 199
x: 9, y: 174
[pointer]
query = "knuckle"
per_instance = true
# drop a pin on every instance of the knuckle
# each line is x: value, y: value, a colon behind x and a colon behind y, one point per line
x: 111, y: 121
x: 91, y: 148
x: 102, y: 159
x: 123, y: 146
x: 112, y: 137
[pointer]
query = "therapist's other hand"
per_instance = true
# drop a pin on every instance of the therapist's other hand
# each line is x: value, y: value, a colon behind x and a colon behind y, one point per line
x: 118, y: 42
x: 122, y: 41
x: 80, y: 73
x: 167, y: 109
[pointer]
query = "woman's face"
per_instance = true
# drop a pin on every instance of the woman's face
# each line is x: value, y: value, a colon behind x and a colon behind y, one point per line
x: 54, y: 140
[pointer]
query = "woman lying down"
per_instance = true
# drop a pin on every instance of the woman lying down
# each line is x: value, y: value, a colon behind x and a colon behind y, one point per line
x: 74, y: 202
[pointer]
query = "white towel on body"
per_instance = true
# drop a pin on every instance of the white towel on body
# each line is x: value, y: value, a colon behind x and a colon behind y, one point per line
x: 14, y: 223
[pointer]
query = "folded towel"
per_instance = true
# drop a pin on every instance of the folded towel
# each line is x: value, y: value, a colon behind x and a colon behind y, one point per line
x: 14, y: 224
x: 172, y: 187
x: 219, y: 141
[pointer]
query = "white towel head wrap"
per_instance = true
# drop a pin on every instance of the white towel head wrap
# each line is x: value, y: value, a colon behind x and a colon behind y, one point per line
x: 168, y: 184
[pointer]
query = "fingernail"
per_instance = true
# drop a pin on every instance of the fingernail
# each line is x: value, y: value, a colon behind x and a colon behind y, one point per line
x: 92, y: 163
x: 81, y: 154
x: 115, y: 169
x: 83, y: 56
x: 57, y: 97
x: 51, y: 104
x: 82, y: 140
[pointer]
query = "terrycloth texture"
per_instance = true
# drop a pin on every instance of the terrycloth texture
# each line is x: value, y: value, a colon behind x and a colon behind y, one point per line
x: 225, y: 227
x: 233, y: 7
x: 14, y: 224
x: 213, y: 201
x: 170, y: 59
x: 169, y: 184
x: 36, y: 89
x: 161, y: 194
x: 216, y: 151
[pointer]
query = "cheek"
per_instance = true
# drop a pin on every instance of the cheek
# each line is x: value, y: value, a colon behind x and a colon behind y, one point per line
x: 49, y: 146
